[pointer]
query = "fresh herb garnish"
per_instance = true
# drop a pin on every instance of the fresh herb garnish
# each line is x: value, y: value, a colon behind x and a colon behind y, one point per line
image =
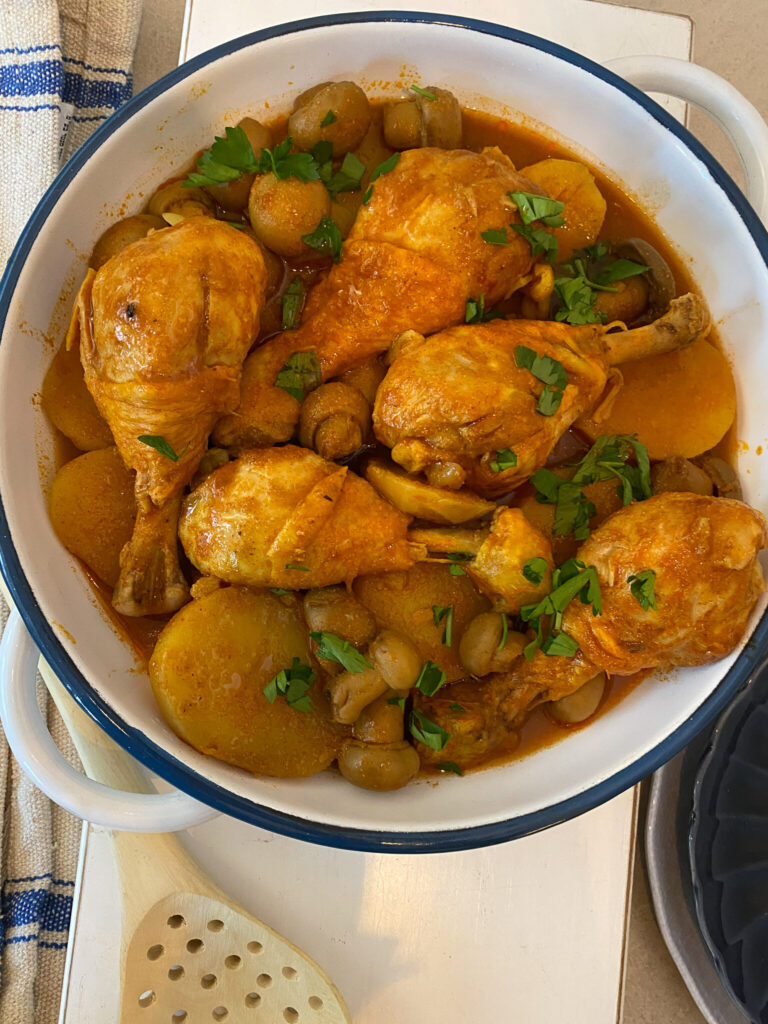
x: 585, y: 274
x: 330, y: 118
x: 504, y: 632
x: 495, y: 236
x: 292, y: 683
x: 619, y: 270
x: 280, y: 591
x: 367, y: 196
x: 335, y: 648
x: 542, y: 243
x: 535, y: 570
x: 456, y: 707
x: 476, y: 313
x: 456, y: 570
x: 326, y: 239
x: 427, y: 732
x: 431, y: 678
x: 438, y: 614
x: 227, y: 159
x: 449, y: 766
x: 299, y: 568
x: 533, y: 207
x: 423, y: 92
x: 550, y: 372
x: 397, y: 702
x: 458, y: 556
x: 285, y: 164
x: 642, y: 586
x: 291, y: 303
x: 348, y: 177
x: 577, y: 300
x: 605, y: 460
x: 385, y: 167
x: 161, y: 445
x: 300, y: 373
x: 505, y: 459
x: 570, y: 580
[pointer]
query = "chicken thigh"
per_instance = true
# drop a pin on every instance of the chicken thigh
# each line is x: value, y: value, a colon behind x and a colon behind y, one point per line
x: 451, y: 403
x: 412, y: 259
x: 702, y: 554
x: 284, y: 517
x: 164, y: 328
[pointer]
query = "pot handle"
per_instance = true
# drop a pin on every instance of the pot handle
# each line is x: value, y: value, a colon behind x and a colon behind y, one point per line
x: 41, y: 759
x: 738, y: 118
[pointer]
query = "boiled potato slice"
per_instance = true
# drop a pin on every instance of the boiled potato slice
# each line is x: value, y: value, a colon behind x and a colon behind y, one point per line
x: 420, y: 499
x: 93, y: 510
x: 68, y: 404
x: 681, y: 403
x: 571, y: 183
x: 208, y: 672
x: 404, y: 601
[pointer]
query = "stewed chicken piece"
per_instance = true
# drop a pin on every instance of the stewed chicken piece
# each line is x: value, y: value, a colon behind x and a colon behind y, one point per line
x: 412, y: 259
x: 284, y: 517
x: 678, y: 579
x: 485, y: 404
x: 164, y: 328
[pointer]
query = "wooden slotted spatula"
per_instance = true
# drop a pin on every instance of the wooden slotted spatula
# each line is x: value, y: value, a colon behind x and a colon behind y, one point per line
x: 189, y: 954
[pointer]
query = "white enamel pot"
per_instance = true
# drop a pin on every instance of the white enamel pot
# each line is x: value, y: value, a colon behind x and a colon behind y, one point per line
x: 515, y: 75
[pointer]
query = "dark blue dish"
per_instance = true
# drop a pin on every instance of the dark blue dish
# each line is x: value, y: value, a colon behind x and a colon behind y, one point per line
x: 728, y: 847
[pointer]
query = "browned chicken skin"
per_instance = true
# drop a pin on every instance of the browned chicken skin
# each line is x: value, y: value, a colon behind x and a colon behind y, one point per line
x: 164, y: 328
x: 703, y: 552
x: 412, y: 259
x: 457, y: 398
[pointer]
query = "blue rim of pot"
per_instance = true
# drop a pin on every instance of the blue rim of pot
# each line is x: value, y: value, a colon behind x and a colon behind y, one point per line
x: 173, y: 770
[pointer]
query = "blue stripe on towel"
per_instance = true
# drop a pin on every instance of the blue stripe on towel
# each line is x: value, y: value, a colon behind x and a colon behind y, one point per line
x: 40, y: 77
x: 91, y: 67
x: 37, y: 878
x: 50, y: 910
x: 85, y: 93
x: 30, y: 49
x: 37, y: 106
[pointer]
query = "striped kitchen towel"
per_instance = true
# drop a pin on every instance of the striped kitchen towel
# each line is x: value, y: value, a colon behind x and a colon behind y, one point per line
x: 64, y: 67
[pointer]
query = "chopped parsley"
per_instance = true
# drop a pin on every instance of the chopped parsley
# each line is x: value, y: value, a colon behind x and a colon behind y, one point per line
x: 607, y: 459
x: 449, y: 766
x: 570, y: 580
x: 325, y: 239
x: 456, y: 707
x: 427, y: 732
x: 227, y: 159
x: 495, y: 236
x: 505, y: 459
x: 585, y: 274
x: 542, y: 243
x: 367, y: 196
x: 550, y: 372
x: 298, y: 568
x: 504, y: 633
x: 300, y: 373
x: 291, y: 303
x: 535, y: 570
x: 385, y: 167
x: 642, y: 585
x: 330, y: 118
x: 423, y: 92
x: 431, y: 678
x: 285, y: 164
x: 280, y: 591
x: 458, y: 556
x: 293, y: 684
x: 161, y: 445
x: 438, y: 614
x: 334, y: 648
x: 476, y: 313
x: 398, y: 702
x: 348, y: 177
x: 533, y: 207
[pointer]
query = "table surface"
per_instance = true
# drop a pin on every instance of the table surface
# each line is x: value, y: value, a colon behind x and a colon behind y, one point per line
x: 727, y: 39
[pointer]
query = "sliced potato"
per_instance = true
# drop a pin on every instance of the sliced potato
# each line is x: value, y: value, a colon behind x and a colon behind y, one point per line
x: 404, y: 602
x: 68, y: 404
x: 681, y: 403
x: 93, y: 510
x: 208, y: 672
x: 571, y: 183
x: 422, y: 500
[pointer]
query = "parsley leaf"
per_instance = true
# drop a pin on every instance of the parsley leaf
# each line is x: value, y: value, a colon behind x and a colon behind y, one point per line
x: 335, y: 648
x: 227, y: 159
x: 550, y: 372
x: 423, y: 92
x: 456, y: 570
x: 300, y: 373
x: 541, y: 242
x: 161, y: 445
x: 280, y: 591
x: 326, y: 239
x: 284, y: 164
x: 449, y: 766
x: 349, y: 175
x: 397, y: 701
x: 642, y: 585
x: 438, y: 614
x: 570, y: 580
x: 533, y: 207
x: 291, y: 303
x: 476, y: 313
x: 621, y: 269
x: 292, y: 683
x: 330, y: 118
x: 299, y: 568
x: 458, y: 556
x: 561, y: 645
x: 427, y: 732
x: 495, y: 236
x: 431, y: 678
x: 577, y: 300
x: 456, y: 707
x: 385, y: 167
x: 505, y: 459
x: 535, y: 570
x: 367, y: 196
x: 504, y: 632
